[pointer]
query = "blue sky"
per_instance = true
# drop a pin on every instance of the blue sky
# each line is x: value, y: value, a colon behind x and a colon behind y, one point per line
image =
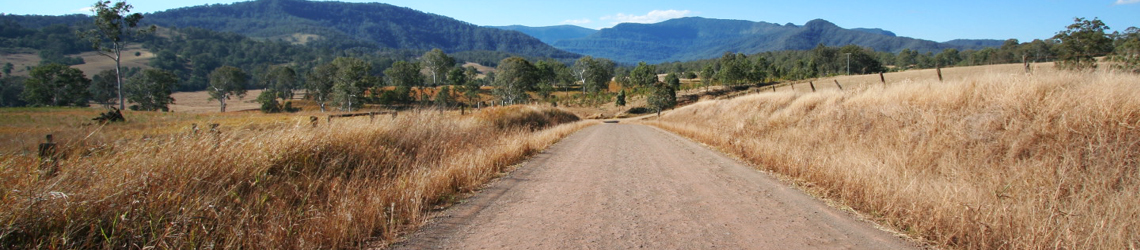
x: 1024, y: 20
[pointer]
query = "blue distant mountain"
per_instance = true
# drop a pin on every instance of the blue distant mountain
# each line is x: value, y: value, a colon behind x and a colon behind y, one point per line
x: 551, y: 34
x: 695, y: 38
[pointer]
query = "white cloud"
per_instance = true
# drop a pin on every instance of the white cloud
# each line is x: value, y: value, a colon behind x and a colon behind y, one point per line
x: 85, y: 10
x: 1119, y: 2
x: 657, y: 16
x: 578, y: 22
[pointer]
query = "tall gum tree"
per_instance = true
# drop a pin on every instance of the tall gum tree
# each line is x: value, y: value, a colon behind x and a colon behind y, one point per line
x: 114, y: 24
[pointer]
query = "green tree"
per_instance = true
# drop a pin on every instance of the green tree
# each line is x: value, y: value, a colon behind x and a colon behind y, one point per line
x: 113, y: 26
x: 515, y: 76
x: 403, y: 75
x: 8, y: 68
x: 10, y: 89
x: 226, y: 82
x: 351, y: 80
x: 733, y: 68
x: 707, y: 76
x: 456, y: 76
x: 690, y: 75
x: 663, y: 97
x: 151, y: 90
x: 948, y: 57
x: 472, y: 86
x: 620, y: 99
x: 437, y: 64
x: 443, y: 98
x: 319, y: 83
x: 644, y: 75
x: 1127, y: 51
x: 672, y: 80
x: 594, y: 73
x: 1081, y: 42
x: 56, y: 85
x: 103, y: 88
x: 282, y: 80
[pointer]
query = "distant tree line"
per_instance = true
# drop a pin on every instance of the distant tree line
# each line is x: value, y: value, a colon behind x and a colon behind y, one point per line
x: 227, y: 64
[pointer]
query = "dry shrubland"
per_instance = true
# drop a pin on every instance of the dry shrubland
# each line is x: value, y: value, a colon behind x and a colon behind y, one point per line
x: 354, y: 183
x: 990, y: 161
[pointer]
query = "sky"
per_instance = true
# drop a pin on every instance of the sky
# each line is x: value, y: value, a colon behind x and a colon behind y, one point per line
x: 940, y: 21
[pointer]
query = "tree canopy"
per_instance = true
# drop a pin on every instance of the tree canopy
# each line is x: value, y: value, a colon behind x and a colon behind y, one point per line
x: 1081, y: 41
x: 56, y: 85
x: 226, y: 82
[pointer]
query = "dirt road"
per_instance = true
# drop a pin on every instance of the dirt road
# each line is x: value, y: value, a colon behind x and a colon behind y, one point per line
x: 621, y: 186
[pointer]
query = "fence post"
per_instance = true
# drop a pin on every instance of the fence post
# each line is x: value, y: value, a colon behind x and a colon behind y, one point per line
x: 882, y: 79
x: 837, y: 84
x: 812, y: 85
x: 773, y: 88
x: 939, y: 70
x: 47, y: 155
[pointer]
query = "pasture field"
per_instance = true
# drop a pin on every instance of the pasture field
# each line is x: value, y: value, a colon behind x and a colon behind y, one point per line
x: 262, y: 181
x: 987, y: 160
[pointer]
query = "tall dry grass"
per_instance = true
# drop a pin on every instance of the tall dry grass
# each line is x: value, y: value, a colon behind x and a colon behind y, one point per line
x: 356, y: 183
x: 993, y: 161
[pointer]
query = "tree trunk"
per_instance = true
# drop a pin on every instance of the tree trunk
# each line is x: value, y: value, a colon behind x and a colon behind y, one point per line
x: 119, y: 75
x: 222, y: 101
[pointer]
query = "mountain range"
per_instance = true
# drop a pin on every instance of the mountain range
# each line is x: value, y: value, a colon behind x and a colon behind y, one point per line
x: 347, y: 25
x: 695, y: 38
x: 342, y: 26
x: 551, y: 34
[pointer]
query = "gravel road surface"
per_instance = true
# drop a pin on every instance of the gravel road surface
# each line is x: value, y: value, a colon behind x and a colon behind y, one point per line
x: 625, y: 186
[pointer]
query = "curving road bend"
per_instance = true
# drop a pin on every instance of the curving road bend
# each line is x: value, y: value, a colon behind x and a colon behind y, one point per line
x: 622, y: 186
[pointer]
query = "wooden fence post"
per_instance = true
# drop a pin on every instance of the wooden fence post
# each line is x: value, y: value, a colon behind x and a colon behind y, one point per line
x: 882, y: 79
x: 939, y: 70
x: 837, y: 84
x: 48, y: 164
x: 812, y: 85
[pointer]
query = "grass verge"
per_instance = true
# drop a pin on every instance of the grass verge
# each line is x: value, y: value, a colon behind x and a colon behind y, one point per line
x: 993, y: 161
x: 345, y: 185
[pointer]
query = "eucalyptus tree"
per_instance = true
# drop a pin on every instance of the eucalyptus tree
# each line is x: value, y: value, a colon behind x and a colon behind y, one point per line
x: 515, y: 76
x: 226, y: 82
x: 437, y: 64
x: 1081, y: 42
x: 114, y: 24
x: 319, y: 83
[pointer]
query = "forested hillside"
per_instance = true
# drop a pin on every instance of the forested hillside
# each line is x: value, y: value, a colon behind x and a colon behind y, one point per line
x: 551, y: 34
x: 347, y: 25
x: 695, y: 38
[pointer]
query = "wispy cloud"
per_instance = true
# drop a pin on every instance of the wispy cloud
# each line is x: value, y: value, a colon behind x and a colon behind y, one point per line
x: 1120, y: 2
x: 86, y: 10
x: 658, y: 16
x: 578, y: 22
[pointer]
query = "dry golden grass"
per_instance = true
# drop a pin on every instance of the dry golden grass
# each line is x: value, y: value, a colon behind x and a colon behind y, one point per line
x: 199, y: 102
x: 262, y: 185
x: 985, y: 161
